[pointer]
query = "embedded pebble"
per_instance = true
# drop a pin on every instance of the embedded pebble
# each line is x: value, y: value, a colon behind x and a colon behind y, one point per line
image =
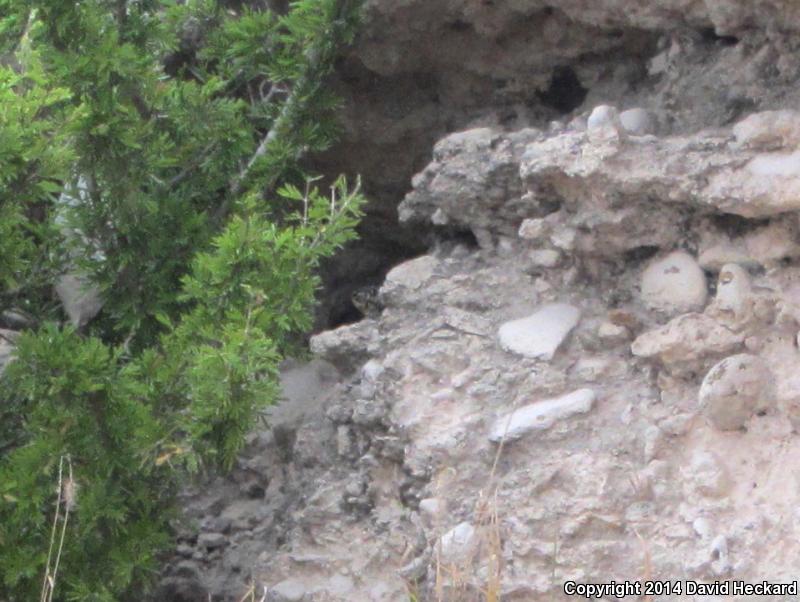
x: 458, y: 543
x: 288, y: 590
x: 733, y: 390
x: 541, y: 415
x: 533, y: 229
x: 611, y: 332
x: 540, y: 334
x: 545, y: 258
x: 603, y: 116
x: 637, y: 122
x: 707, y: 475
x: 674, y: 284
x: 734, y: 292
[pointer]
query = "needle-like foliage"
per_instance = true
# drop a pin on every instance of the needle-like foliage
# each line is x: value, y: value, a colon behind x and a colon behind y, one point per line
x: 154, y: 148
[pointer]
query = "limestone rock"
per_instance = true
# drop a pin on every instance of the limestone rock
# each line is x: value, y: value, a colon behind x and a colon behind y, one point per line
x: 404, y: 283
x: 540, y: 334
x: 733, y: 390
x: 348, y: 346
x: 687, y: 339
x: 541, y: 415
x: 412, y: 274
x: 768, y: 130
x: 674, y: 284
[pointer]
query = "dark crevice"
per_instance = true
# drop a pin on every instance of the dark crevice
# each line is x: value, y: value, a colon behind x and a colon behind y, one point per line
x: 735, y: 226
x: 640, y: 254
x: 565, y: 92
x: 708, y: 34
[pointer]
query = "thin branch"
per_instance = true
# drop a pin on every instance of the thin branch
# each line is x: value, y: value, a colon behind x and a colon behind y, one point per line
x: 191, y: 167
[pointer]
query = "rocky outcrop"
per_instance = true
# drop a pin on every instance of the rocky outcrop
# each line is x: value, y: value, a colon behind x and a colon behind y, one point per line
x: 596, y: 379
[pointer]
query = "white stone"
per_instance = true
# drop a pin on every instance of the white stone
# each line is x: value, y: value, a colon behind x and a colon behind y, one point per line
x: 603, y: 116
x: 541, y: 415
x: 545, y: 258
x: 80, y: 299
x: 540, y: 334
x: 637, y: 122
x: 533, y: 229
x: 372, y: 370
x: 432, y: 509
x: 564, y: 238
x: 458, y: 543
x: 702, y: 526
x: 733, y: 390
x: 734, y: 292
x: 440, y: 218
x: 674, y: 284
x: 609, y: 331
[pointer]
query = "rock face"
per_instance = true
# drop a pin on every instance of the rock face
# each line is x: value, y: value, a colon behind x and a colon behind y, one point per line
x: 672, y: 225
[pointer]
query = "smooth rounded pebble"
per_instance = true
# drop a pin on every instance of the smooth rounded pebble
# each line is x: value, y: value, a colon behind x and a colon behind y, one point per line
x: 603, y: 116
x: 637, y: 122
x: 733, y: 390
x: 674, y: 284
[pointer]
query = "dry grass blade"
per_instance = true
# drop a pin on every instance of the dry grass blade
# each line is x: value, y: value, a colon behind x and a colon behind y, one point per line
x: 647, y: 568
x: 67, y: 498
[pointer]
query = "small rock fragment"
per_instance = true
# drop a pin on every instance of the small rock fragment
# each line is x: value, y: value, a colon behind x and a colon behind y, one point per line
x: 707, y: 475
x: 540, y: 334
x: 533, y: 229
x: 545, y: 258
x: 458, y: 543
x: 288, y: 590
x: 608, y: 331
x: 212, y: 541
x: 541, y: 415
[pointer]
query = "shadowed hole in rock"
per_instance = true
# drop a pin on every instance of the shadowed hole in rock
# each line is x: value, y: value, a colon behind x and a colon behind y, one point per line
x: 736, y: 225
x: 352, y: 301
x: 565, y: 92
x: 708, y: 34
x: 640, y: 254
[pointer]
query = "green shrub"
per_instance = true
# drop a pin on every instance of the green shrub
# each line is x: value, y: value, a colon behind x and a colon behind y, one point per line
x: 190, y: 211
